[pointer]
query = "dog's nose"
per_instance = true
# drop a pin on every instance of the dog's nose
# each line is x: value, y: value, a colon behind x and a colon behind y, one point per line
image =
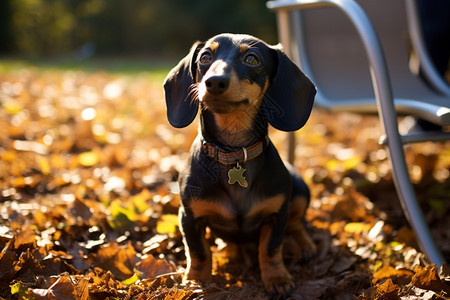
x: 217, y: 85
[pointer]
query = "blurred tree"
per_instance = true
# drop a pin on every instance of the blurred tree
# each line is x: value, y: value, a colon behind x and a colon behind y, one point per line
x: 53, y: 27
x: 5, y: 31
x: 41, y: 26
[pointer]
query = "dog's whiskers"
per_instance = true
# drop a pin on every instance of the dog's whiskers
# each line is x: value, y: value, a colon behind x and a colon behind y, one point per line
x: 193, y: 92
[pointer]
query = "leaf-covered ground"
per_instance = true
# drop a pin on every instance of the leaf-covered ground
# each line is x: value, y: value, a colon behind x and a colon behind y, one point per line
x: 88, y: 200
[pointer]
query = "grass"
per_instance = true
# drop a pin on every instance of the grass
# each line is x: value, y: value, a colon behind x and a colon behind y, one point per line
x: 156, y: 68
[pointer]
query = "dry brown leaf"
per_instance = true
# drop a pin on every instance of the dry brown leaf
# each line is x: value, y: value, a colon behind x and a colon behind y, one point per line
x: 9, y: 262
x: 398, y: 276
x: 80, y: 210
x: 62, y: 288
x: 24, y: 237
x: 102, y: 148
x: 312, y: 289
x: 444, y: 272
x: 352, y: 207
x: 387, y: 290
x: 415, y: 293
x: 82, y: 289
x: 120, y: 260
x: 427, y: 278
x: 150, y: 267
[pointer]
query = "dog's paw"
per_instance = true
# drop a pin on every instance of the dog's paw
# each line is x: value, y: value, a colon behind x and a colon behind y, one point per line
x: 278, y: 283
x: 300, y: 244
x: 200, y: 276
x: 198, y: 272
x: 307, y: 249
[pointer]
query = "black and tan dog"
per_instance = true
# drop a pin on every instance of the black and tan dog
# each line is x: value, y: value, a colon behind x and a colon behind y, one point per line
x: 235, y: 182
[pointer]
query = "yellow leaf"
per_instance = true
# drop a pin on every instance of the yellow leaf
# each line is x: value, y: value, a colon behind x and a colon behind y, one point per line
x: 352, y: 162
x: 140, y: 201
x: 88, y: 159
x: 44, y: 165
x: 332, y: 164
x: 122, y: 217
x: 396, y: 246
x: 356, y: 227
x: 12, y: 107
x: 8, y: 155
x: 131, y: 280
x: 20, y: 289
x: 167, y: 224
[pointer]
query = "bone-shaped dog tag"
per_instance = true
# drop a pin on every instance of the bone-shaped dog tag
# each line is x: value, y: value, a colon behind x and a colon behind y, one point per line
x: 237, y: 175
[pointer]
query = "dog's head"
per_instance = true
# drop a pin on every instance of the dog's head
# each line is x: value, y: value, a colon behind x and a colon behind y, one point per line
x: 231, y: 73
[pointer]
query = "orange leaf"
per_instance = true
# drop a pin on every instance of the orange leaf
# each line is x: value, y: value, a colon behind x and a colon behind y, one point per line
x: 82, y: 289
x: 120, y: 260
x: 427, y: 278
x: 24, y: 237
x: 150, y: 267
x: 388, y: 290
x: 400, y: 276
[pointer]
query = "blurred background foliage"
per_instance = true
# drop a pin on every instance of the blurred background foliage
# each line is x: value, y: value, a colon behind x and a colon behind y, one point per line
x: 84, y: 28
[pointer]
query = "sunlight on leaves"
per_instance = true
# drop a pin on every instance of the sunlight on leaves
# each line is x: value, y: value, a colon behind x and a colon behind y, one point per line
x: 167, y: 224
x: 131, y: 280
x: 150, y: 267
x: 89, y: 199
x: 121, y: 217
x: 357, y: 227
x: 19, y: 289
x: 88, y: 159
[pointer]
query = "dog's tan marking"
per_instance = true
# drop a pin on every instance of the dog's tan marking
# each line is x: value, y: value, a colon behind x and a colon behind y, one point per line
x: 202, y: 208
x: 197, y: 269
x: 214, y: 45
x: 274, y: 274
x: 295, y: 228
x: 268, y: 206
x: 236, y: 126
x: 244, y: 47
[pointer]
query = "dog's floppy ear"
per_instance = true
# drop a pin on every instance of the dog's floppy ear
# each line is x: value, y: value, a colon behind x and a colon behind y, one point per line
x: 289, y: 99
x: 181, y: 105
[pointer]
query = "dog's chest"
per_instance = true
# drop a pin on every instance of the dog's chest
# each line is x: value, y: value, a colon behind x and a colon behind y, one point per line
x: 230, y: 209
x: 237, y: 217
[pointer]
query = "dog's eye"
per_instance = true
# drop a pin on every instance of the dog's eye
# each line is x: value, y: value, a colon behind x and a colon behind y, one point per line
x: 252, y: 60
x: 205, y: 58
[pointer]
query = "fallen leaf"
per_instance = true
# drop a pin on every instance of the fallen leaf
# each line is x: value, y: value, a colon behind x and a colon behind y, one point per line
x: 88, y: 159
x: 387, y: 290
x: 25, y: 237
x: 415, y: 293
x: 343, y: 263
x: 20, y: 289
x: 62, y: 288
x: 80, y: 210
x: 357, y: 227
x: 82, y: 289
x: 120, y: 260
x: 167, y: 224
x: 150, y: 267
x: 398, y: 276
x: 427, y: 278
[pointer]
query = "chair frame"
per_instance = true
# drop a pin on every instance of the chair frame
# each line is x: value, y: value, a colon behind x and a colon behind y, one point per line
x: 383, y: 95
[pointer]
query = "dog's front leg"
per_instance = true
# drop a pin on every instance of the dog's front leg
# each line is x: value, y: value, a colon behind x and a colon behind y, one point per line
x: 198, y: 252
x: 276, y: 278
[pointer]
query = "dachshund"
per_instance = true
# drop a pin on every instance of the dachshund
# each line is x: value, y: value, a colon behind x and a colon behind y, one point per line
x: 234, y: 181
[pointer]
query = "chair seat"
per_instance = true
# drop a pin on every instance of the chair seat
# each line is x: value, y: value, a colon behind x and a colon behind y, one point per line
x: 340, y: 70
